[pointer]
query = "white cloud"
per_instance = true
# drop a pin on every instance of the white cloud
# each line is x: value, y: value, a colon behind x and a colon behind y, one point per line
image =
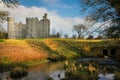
x: 60, y: 23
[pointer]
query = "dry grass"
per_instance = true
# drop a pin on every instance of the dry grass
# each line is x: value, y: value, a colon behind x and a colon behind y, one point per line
x: 22, y: 43
x: 86, y: 47
x: 52, y: 44
x: 84, y: 40
x: 19, y: 50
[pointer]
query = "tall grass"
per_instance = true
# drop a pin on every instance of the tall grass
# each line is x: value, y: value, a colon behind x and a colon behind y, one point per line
x: 1, y: 40
x: 17, y: 51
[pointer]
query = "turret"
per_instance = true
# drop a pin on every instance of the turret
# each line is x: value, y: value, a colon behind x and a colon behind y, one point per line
x: 10, y: 22
x: 45, y: 16
x: 45, y: 26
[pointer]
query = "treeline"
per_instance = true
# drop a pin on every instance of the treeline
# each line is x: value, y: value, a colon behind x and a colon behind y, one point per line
x: 3, y: 33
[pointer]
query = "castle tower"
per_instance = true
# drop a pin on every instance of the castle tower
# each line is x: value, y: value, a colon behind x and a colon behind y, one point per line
x: 11, y: 25
x: 31, y: 27
x: 45, y: 26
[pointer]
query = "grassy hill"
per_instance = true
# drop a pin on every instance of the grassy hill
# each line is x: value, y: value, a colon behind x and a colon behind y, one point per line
x: 22, y: 50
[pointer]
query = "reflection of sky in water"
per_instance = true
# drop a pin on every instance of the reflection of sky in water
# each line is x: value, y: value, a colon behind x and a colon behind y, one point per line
x: 36, y: 75
x: 106, y: 77
x: 41, y: 75
x: 41, y: 72
x: 57, y: 75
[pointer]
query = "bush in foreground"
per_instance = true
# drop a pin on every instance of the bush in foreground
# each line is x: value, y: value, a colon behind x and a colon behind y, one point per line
x: 79, y: 72
x: 117, y: 76
x: 18, y: 72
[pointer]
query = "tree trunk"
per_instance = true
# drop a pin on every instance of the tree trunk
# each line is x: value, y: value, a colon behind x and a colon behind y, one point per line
x: 79, y: 36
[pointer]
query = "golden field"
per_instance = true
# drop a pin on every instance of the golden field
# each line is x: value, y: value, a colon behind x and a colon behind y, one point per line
x: 17, y: 50
x: 20, y: 50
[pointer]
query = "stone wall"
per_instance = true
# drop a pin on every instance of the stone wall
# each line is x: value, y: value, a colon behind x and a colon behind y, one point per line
x: 20, y: 30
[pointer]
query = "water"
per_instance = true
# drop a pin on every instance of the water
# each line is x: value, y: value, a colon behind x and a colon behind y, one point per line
x: 57, y: 71
x: 109, y: 76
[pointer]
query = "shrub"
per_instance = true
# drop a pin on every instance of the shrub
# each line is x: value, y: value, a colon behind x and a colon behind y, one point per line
x: 76, y: 72
x: 5, y: 64
x: 90, y: 37
x: 1, y: 40
x: 55, y: 57
x: 117, y: 76
x: 49, y: 78
x: 18, y: 72
x: 67, y: 53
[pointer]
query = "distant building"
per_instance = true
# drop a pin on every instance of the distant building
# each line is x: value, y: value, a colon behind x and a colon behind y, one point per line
x: 32, y: 29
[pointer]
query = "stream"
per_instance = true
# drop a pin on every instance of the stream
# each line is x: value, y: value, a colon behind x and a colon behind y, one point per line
x: 54, y: 69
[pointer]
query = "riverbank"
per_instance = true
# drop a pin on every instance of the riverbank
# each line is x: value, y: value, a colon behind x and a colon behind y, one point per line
x: 59, y: 70
x: 28, y: 52
x: 19, y: 53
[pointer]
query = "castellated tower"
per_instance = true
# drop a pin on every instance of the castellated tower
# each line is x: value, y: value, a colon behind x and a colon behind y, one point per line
x: 46, y: 26
x: 11, y: 27
x: 32, y: 29
x: 38, y: 29
x: 31, y: 24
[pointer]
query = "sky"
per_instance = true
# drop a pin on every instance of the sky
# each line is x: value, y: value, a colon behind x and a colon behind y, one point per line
x: 63, y: 14
x: 63, y: 8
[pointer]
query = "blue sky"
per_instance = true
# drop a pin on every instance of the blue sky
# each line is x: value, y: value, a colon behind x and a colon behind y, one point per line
x: 64, y: 8
x: 63, y: 14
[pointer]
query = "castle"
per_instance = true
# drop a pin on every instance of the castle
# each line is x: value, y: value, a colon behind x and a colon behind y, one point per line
x: 32, y: 29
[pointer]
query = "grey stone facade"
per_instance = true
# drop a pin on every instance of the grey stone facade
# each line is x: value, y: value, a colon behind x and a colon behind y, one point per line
x: 32, y: 29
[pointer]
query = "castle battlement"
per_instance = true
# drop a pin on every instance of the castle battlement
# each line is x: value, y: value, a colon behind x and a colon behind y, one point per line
x: 32, y: 29
x: 10, y: 19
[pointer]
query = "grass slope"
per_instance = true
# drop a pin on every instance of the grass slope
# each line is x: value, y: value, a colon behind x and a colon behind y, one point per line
x: 20, y: 50
x: 30, y: 50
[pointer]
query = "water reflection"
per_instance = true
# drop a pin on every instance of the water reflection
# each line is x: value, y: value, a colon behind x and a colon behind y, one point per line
x: 41, y: 72
x: 57, y: 71
x: 57, y: 75
x: 35, y: 75
x: 106, y: 77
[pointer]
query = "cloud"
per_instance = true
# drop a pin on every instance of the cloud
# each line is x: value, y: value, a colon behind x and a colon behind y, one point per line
x: 60, y: 23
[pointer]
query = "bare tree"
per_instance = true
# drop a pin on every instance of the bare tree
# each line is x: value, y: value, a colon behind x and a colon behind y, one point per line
x: 66, y: 35
x: 58, y: 35
x: 80, y: 29
x: 74, y: 36
x: 101, y: 11
x: 90, y: 37
x: 112, y: 32
x: 3, y: 16
x: 99, y: 37
x: 107, y: 10
x: 3, y: 33
x: 10, y: 3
